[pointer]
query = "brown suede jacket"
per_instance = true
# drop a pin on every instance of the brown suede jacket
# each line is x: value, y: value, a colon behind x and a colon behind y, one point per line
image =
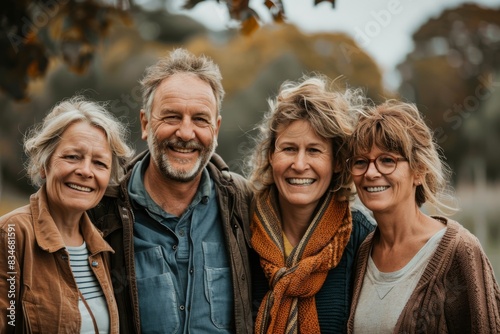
x: 38, y: 293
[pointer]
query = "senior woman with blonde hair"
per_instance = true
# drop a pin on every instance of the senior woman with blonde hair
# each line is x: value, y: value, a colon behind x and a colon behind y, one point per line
x: 55, y: 276
x: 415, y: 273
x: 304, y: 231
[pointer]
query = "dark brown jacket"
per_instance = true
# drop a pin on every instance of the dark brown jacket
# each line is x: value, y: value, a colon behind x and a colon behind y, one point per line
x: 115, y: 218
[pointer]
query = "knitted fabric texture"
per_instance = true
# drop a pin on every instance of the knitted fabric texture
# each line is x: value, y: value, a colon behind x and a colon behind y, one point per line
x: 456, y: 294
x: 289, y: 306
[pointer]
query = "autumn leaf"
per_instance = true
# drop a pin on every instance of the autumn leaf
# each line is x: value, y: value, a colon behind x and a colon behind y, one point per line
x: 249, y: 25
x: 73, y: 30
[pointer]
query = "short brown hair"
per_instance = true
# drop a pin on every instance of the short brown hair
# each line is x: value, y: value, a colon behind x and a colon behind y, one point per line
x: 399, y: 127
x: 181, y: 61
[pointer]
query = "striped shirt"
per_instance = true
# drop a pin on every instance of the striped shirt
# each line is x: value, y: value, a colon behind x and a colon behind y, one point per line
x: 84, y: 277
x: 91, y: 291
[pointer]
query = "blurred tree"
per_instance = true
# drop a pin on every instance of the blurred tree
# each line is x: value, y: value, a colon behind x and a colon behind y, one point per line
x: 252, y: 66
x: 36, y: 31
x: 452, y: 75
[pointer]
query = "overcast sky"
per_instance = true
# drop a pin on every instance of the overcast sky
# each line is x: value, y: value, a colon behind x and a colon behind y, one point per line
x: 382, y: 27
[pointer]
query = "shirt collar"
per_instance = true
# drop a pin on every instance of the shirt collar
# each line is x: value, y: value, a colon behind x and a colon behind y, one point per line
x: 140, y: 196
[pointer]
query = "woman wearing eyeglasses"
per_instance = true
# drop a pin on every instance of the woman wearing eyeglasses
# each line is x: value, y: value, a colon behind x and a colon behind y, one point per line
x: 415, y: 273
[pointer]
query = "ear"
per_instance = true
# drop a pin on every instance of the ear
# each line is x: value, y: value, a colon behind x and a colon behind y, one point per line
x: 144, y: 125
x: 43, y: 175
x: 217, y: 125
x: 417, y: 181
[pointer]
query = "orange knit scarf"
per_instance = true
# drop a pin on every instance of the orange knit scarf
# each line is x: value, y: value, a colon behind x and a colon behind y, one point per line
x: 289, y: 306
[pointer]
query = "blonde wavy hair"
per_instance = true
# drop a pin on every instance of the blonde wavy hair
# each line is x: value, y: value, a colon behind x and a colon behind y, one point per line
x: 328, y: 110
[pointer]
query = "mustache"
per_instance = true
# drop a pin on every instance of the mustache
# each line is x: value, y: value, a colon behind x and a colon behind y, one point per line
x: 191, y: 144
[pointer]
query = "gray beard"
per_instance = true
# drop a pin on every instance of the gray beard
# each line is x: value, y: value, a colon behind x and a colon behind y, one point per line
x: 168, y: 171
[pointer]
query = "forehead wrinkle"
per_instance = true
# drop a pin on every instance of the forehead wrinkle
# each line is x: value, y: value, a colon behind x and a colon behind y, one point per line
x: 294, y: 132
x: 167, y: 91
x: 81, y: 139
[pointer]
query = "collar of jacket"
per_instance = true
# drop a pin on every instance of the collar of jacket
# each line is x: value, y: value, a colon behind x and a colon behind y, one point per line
x: 216, y: 166
x: 47, y: 234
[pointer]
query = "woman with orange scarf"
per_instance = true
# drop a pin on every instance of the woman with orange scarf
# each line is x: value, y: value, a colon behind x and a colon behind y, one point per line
x: 304, y: 230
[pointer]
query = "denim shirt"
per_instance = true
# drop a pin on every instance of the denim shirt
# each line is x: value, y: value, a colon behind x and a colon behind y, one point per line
x: 182, y: 269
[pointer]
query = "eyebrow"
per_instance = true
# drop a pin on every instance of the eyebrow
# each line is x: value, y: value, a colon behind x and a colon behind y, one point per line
x: 79, y: 150
x: 205, y: 112
x: 293, y: 143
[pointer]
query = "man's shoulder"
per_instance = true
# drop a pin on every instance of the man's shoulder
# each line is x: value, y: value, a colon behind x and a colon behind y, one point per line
x: 108, y: 207
x: 239, y: 179
x: 218, y: 168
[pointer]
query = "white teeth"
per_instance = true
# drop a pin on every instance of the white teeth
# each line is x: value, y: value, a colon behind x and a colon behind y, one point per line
x: 301, y: 181
x: 76, y: 187
x: 183, y: 150
x: 376, y: 189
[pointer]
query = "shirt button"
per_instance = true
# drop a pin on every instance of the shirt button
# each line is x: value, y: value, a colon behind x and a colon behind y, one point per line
x: 204, y: 200
x: 174, y: 247
x: 181, y: 232
x: 94, y: 263
x: 181, y: 307
x: 191, y: 271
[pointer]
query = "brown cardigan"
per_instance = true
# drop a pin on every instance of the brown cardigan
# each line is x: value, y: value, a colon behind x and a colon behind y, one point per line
x: 457, y: 292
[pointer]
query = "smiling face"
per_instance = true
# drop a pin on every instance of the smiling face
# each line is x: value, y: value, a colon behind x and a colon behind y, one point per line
x: 387, y: 193
x: 78, y: 171
x: 183, y: 127
x: 302, y: 165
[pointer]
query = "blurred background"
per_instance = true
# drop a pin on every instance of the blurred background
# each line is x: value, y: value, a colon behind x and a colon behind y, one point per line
x: 442, y: 55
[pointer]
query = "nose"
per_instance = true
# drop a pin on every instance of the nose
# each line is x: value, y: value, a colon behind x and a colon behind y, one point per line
x: 84, y: 169
x: 185, y: 130
x: 300, y: 161
x: 372, y: 170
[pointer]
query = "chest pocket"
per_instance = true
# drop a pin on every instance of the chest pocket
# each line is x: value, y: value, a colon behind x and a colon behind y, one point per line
x: 156, y: 293
x: 218, y: 284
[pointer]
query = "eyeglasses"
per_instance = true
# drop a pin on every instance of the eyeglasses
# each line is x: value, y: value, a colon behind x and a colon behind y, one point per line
x: 385, y: 164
